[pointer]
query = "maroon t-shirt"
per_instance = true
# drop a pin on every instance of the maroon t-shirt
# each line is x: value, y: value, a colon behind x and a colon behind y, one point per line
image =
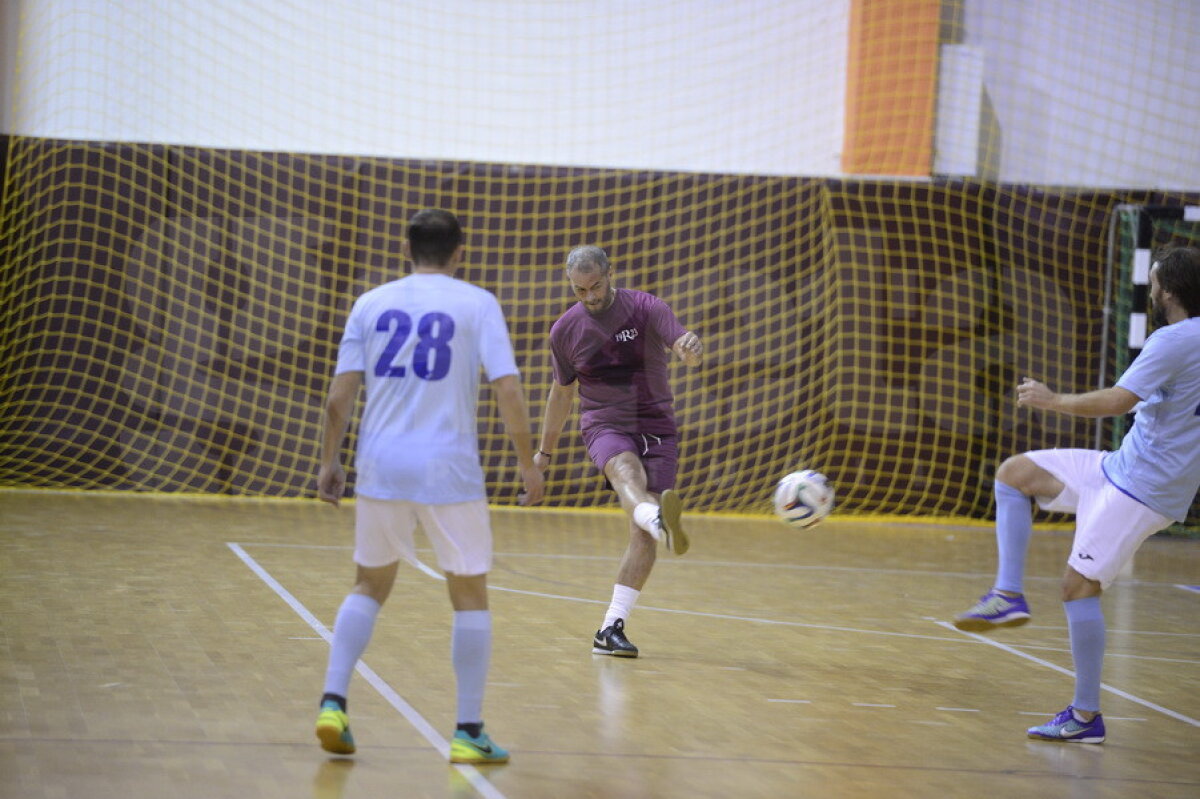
x: 620, y: 358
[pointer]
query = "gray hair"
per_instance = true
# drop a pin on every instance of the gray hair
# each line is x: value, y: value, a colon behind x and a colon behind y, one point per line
x: 587, y: 259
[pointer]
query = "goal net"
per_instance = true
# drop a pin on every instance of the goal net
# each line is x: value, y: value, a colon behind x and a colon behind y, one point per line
x: 193, y: 197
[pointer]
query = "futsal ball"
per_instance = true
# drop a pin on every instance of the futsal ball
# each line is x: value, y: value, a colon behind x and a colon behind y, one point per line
x: 803, y: 498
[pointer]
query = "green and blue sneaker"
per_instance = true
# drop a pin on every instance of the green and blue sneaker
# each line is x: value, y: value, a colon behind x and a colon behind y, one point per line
x: 333, y: 728
x: 465, y: 748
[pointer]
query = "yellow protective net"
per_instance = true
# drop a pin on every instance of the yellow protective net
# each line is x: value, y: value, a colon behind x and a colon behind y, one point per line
x: 169, y: 313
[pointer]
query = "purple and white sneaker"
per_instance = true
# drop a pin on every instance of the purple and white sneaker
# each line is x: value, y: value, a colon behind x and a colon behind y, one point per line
x: 1066, y: 726
x: 994, y: 610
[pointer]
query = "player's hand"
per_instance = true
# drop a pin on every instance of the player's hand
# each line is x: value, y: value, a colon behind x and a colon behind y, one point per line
x: 535, y: 485
x: 1032, y: 394
x: 689, y: 348
x: 331, y: 484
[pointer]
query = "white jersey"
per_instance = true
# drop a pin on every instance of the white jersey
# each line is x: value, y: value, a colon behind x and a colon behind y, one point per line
x: 420, y: 342
x: 1158, y: 463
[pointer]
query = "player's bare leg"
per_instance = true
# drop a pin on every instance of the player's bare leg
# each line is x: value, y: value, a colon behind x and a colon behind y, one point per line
x: 659, y: 516
x: 1032, y: 480
x: 376, y: 581
x: 636, y: 564
x: 627, y: 476
x: 467, y: 592
x: 639, y: 557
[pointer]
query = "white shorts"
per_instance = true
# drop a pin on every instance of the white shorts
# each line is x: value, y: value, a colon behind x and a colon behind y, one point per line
x: 460, y: 533
x: 1109, y: 524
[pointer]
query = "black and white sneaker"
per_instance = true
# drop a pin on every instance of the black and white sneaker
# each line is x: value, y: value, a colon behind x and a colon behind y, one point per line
x: 612, y: 641
x: 669, y: 523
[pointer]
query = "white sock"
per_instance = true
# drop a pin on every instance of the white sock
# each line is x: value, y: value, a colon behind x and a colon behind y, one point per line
x: 623, y: 600
x: 470, y: 651
x: 351, y: 633
x: 645, y: 516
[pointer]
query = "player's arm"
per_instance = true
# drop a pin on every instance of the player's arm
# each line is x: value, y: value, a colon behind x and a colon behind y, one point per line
x: 339, y: 405
x: 1113, y: 401
x: 558, y: 408
x: 515, y: 413
x: 688, y: 348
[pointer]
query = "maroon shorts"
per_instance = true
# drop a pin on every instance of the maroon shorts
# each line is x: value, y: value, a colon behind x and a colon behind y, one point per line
x: 659, y: 454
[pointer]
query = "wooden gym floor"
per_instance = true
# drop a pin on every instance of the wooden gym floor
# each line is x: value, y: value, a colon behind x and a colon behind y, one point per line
x: 175, y: 647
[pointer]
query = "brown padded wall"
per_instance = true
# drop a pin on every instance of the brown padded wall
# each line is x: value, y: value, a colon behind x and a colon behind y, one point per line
x: 829, y: 307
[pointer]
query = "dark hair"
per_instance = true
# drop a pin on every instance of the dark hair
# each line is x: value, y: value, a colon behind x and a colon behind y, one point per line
x: 433, y: 236
x: 1179, y: 274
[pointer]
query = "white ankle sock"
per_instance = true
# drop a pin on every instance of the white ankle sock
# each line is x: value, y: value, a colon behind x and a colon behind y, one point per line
x: 645, y: 516
x: 623, y: 600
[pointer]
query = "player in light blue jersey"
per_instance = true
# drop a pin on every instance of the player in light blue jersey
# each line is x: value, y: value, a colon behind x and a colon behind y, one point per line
x: 418, y: 344
x: 1119, y: 498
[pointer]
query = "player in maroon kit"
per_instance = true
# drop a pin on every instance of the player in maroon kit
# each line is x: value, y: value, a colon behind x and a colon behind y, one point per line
x: 613, y: 347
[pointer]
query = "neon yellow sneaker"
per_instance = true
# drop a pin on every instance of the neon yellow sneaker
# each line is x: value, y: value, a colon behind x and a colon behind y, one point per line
x: 465, y: 749
x: 333, y: 728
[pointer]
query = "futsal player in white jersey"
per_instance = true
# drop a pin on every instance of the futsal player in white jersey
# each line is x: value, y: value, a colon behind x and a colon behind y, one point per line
x: 1119, y: 498
x: 418, y: 345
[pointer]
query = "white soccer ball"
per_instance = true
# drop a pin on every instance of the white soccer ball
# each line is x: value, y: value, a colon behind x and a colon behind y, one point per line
x: 803, y: 498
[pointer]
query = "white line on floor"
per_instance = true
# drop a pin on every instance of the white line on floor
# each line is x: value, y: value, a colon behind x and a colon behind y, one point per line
x: 472, y: 775
x: 1055, y: 667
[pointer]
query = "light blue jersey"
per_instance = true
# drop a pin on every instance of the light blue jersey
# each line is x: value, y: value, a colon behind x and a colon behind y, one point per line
x: 1159, y: 459
x: 420, y: 342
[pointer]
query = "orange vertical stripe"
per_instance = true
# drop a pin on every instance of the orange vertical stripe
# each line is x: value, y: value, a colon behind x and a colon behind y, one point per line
x: 891, y: 84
